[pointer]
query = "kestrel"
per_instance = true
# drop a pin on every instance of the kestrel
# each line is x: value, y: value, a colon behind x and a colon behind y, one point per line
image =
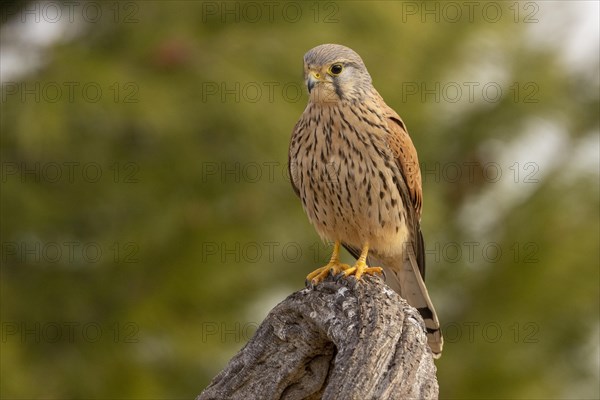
x: 355, y: 168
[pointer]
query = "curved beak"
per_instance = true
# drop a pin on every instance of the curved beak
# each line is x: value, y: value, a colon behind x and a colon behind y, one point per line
x: 312, y: 79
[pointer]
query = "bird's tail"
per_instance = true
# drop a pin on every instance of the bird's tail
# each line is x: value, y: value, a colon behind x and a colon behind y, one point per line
x: 404, y: 276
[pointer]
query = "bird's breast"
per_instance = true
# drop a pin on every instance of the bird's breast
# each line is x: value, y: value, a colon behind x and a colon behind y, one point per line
x: 347, y: 179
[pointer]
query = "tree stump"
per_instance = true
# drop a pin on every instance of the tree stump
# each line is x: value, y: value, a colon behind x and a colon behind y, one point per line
x: 342, y: 339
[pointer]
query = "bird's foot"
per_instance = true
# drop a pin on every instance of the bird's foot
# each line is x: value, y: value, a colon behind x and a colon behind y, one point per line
x: 361, y: 268
x: 319, y: 274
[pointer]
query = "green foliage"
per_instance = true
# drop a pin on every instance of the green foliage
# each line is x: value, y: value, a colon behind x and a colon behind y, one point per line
x: 199, y: 231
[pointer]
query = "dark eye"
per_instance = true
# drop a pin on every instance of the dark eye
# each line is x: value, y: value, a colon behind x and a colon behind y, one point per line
x: 336, y: 69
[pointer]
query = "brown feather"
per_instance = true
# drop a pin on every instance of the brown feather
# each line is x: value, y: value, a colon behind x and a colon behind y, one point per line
x: 290, y: 166
x: 407, y: 160
x: 406, y: 156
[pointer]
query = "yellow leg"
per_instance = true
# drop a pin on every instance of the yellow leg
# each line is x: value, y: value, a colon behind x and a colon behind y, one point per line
x: 334, y: 267
x: 361, y: 268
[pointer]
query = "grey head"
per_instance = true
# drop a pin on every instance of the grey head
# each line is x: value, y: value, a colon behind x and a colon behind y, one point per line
x: 334, y: 73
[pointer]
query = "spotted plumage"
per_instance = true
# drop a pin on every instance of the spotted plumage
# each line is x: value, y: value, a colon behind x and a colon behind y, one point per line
x: 354, y: 166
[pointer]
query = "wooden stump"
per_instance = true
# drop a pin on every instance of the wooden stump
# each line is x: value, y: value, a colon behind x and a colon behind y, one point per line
x: 339, y: 340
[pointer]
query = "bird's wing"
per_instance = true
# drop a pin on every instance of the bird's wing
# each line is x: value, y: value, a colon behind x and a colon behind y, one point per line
x: 406, y: 157
x: 407, y: 161
x: 291, y: 165
x: 409, y: 271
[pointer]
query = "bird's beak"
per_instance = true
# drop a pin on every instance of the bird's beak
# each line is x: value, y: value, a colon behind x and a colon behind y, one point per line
x: 313, y: 79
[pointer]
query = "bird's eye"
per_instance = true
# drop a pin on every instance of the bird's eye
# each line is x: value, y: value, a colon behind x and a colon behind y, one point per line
x: 336, y: 69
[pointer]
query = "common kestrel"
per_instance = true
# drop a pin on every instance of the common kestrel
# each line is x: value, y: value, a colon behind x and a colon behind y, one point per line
x: 355, y: 168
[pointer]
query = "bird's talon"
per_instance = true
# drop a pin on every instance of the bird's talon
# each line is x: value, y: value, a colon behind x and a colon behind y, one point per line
x: 320, y: 274
x: 361, y: 269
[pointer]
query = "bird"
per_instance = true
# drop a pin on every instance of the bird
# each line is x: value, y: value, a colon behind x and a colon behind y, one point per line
x: 356, y: 171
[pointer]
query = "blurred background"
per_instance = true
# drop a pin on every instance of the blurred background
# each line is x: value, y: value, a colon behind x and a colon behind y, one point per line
x: 147, y: 220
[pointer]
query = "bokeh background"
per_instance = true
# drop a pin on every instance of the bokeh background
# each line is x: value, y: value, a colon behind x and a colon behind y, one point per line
x: 147, y: 220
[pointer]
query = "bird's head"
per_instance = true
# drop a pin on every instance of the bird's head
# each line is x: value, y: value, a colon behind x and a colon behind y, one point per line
x: 333, y: 73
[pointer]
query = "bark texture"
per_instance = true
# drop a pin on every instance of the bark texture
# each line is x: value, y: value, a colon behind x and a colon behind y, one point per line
x: 339, y: 340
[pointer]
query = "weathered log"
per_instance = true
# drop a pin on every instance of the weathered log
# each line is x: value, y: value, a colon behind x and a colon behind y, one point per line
x: 342, y: 339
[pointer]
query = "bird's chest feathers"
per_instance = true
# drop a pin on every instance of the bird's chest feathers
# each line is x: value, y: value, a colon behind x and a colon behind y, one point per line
x: 336, y: 158
x: 341, y: 155
x: 342, y: 171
